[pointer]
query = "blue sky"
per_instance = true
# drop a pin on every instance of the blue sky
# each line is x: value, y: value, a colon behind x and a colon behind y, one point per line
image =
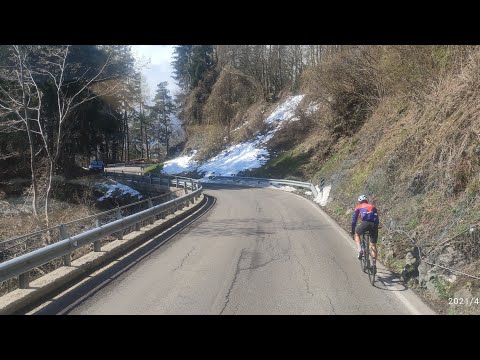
x: 159, y: 68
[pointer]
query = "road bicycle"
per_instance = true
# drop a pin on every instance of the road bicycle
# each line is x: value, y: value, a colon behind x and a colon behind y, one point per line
x: 365, y: 259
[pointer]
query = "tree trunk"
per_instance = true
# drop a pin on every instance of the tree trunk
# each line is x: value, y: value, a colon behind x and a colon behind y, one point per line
x: 49, y: 190
x: 114, y: 150
x: 141, y: 131
x: 146, y: 143
x: 159, y: 137
x: 105, y: 156
x: 30, y: 140
x: 166, y: 138
x: 127, y: 143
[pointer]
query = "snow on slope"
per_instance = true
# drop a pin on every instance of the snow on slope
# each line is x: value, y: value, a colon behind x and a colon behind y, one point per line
x: 119, y: 188
x: 180, y: 164
x: 251, y: 154
x: 285, y: 111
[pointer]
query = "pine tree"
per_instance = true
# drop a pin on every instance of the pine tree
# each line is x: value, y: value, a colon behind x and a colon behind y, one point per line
x: 162, y: 110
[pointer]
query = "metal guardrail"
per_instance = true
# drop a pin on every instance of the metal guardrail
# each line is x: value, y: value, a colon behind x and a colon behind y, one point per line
x: 126, y: 164
x: 271, y: 181
x: 22, y: 265
x: 26, y: 243
x: 170, y: 181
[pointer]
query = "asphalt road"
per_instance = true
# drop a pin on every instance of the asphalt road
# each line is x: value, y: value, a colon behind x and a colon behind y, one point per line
x: 257, y: 251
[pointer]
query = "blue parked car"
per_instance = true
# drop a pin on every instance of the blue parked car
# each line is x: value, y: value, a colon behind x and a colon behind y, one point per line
x: 96, y: 165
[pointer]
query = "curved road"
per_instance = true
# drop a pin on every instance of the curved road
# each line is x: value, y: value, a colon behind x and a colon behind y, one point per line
x: 257, y: 251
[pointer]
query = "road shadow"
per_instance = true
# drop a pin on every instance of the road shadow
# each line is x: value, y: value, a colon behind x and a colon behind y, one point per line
x: 390, y: 281
x: 253, y: 227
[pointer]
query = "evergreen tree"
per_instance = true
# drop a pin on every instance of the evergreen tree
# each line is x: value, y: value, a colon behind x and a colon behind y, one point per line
x: 162, y: 110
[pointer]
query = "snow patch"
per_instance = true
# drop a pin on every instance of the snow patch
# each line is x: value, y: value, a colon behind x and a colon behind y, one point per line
x: 241, y: 126
x: 180, y: 164
x: 286, y: 111
x: 322, y: 197
x: 282, y: 187
x: 236, y: 158
x: 123, y: 189
x: 312, y: 108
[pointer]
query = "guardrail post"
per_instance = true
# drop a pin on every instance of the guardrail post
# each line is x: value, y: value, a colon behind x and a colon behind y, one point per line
x: 177, y: 183
x: 175, y: 206
x: 150, y: 205
x: 67, y: 259
x: 193, y: 197
x: 185, y: 187
x: 23, y: 281
x: 97, y: 246
x: 119, y: 216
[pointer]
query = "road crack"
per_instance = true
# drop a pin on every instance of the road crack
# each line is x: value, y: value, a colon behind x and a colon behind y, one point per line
x: 331, y: 305
x: 304, y: 276
x: 237, y: 271
x: 183, y: 260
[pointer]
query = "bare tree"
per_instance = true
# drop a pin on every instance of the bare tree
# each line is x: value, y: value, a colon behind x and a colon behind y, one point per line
x: 54, y: 66
x: 21, y: 103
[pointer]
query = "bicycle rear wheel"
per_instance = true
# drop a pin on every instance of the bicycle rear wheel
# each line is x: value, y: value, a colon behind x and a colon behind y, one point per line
x: 365, y: 257
x: 362, y: 260
x: 371, y: 274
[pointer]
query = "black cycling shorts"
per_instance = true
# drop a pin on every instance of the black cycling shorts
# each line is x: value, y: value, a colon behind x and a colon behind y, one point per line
x: 370, y: 226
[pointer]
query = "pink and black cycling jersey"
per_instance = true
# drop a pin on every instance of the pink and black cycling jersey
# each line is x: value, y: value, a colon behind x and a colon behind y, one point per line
x: 367, y: 212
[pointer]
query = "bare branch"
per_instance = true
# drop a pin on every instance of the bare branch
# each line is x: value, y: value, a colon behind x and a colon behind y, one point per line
x: 6, y: 156
x: 89, y: 82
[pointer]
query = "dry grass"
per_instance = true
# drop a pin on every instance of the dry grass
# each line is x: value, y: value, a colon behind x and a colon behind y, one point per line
x: 232, y: 94
x: 210, y: 139
x: 24, y: 223
x: 249, y: 123
x: 192, y: 109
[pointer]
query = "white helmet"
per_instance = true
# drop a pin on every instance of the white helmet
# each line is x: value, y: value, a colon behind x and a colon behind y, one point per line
x: 362, y: 198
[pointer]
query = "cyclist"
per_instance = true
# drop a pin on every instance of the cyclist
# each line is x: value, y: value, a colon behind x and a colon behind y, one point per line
x: 369, y: 216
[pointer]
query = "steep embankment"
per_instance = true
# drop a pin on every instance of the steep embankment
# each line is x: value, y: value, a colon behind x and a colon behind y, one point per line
x: 419, y: 165
x: 418, y: 161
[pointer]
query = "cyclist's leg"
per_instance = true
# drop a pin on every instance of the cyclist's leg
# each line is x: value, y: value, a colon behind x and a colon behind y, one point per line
x: 357, y: 240
x: 360, y: 229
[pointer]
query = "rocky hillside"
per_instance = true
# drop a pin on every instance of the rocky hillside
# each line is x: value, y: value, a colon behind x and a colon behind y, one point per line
x: 418, y: 161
